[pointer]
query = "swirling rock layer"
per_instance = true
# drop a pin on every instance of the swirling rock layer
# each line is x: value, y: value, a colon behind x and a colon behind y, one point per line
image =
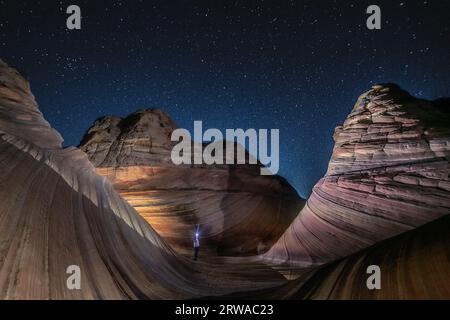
x: 413, y: 265
x: 238, y: 211
x: 389, y: 173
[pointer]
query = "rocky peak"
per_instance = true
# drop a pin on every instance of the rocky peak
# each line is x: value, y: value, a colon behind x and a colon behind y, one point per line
x: 388, y: 126
x: 389, y: 173
x: 144, y: 123
x: 143, y: 119
x: 142, y: 137
x: 104, y: 129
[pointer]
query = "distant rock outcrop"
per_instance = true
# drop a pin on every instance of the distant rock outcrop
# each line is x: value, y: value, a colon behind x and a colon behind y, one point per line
x: 389, y: 173
x: 238, y: 211
x: 141, y: 138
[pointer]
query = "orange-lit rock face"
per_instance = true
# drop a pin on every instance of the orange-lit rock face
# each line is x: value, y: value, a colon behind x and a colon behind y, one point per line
x: 389, y: 173
x: 238, y: 216
x: 238, y: 211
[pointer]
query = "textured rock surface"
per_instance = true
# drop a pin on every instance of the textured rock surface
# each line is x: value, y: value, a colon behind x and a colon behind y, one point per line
x: 413, y: 265
x: 141, y: 138
x: 55, y: 211
x: 238, y: 210
x: 389, y: 173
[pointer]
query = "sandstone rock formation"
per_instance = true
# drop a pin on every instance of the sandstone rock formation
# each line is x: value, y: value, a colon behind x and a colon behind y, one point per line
x: 239, y: 212
x: 389, y: 173
x: 55, y: 212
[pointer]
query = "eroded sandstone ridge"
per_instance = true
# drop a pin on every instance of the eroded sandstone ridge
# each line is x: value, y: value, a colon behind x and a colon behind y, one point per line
x: 238, y: 211
x: 19, y: 114
x: 389, y: 173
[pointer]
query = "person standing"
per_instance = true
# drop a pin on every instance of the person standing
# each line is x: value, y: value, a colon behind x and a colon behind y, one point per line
x: 196, y: 246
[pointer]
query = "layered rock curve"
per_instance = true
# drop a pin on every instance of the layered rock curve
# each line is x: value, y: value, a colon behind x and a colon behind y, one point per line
x: 389, y: 173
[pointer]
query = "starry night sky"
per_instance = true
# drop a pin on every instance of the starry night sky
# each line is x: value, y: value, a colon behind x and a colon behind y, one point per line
x: 294, y: 65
